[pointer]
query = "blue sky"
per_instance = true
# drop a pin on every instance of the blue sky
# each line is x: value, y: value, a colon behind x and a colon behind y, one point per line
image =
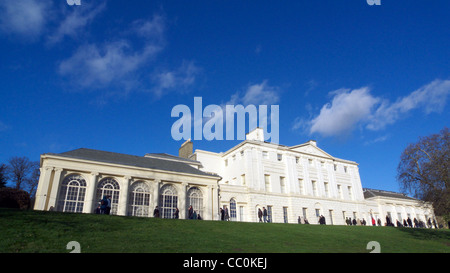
x: 363, y: 81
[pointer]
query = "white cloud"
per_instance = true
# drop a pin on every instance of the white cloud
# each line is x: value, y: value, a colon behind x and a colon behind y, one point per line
x: 97, y: 66
x: 347, y: 108
x: 178, y: 79
x: 75, y: 19
x: 153, y: 29
x: 350, y: 108
x: 431, y: 98
x: 24, y: 18
x: 257, y: 94
x: 376, y: 140
x: 31, y: 19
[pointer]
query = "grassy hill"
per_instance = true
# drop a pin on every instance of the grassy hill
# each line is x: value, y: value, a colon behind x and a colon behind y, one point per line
x: 50, y: 232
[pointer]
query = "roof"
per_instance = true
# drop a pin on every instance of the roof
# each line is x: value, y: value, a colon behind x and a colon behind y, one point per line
x: 135, y: 161
x: 370, y: 193
x: 165, y: 156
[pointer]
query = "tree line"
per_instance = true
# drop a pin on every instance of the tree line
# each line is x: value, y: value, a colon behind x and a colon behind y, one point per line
x: 20, y: 173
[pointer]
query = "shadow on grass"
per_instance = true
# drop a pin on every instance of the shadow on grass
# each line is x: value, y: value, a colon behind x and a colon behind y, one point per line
x: 427, y: 234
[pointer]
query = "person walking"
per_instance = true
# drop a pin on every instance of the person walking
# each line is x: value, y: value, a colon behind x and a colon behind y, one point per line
x: 108, y: 205
x: 103, y: 204
x: 227, y: 216
x: 260, y: 214
x: 222, y: 214
x: 265, y: 215
x: 156, y: 212
x: 190, y: 212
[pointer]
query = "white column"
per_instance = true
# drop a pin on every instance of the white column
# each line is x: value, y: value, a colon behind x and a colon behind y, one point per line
x: 209, y: 203
x: 123, y: 199
x: 90, y: 202
x: 156, y: 195
x: 182, y: 201
x: 54, y: 190
x: 215, y: 203
x: 41, y: 192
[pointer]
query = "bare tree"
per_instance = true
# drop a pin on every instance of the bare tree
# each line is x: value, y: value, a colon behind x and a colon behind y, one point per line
x: 21, y: 170
x: 424, y: 171
x: 31, y: 183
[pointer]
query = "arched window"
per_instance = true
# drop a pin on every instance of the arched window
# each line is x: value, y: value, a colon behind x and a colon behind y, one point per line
x: 233, y: 210
x: 72, y: 194
x: 109, y: 187
x: 139, y: 200
x: 167, y: 201
x: 196, y: 200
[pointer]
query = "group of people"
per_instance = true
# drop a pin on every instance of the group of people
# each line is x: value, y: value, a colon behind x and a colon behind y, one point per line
x: 192, y: 214
x: 105, y: 208
x: 320, y: 221
x: 224, y: 216
x: 105, y: 205
x: 410, y: 223
x: 302, y: 221
x: 357, y: 222
x: 263, y: 215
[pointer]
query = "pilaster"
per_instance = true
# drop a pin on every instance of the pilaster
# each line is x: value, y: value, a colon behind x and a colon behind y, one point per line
x: 123, y: 196
x: 90, y: 202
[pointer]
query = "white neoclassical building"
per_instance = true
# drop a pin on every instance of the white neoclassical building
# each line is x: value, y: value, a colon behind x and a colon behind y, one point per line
x: 300, y: 181
x: 289, y: 181
x: 77, y: 180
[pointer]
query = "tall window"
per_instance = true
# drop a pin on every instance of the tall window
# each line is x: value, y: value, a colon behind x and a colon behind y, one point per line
x: 339, y: 188
x: 139, y: 200
x: 285, y: 214
x: 71, y: 194
x: 314, y: 186
x: 196, y: 200
x: 233, y: 210
x: 168, y: 201
x: 267, y: 182
x: 269, y: 214
x: 282, y: 185
x: 350, y: 193
x: 300, y: 185
x: 327, y: 190
x: 109, y: 187
x: 305, y: 213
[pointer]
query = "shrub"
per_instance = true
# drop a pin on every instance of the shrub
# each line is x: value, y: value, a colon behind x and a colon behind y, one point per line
x: 14, y: 198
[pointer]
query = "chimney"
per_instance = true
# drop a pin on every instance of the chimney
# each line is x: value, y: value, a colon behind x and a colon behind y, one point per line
x: 186, y: 149
x: 257, y: 134
x: 313, y: 142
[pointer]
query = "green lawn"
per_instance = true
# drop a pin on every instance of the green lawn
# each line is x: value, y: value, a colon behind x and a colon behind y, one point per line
x: 50, y: 232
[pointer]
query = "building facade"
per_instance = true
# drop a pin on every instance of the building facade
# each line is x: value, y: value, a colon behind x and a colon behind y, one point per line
x: 300, y: 182
x: 77, y: 180
x: 293, y: 183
